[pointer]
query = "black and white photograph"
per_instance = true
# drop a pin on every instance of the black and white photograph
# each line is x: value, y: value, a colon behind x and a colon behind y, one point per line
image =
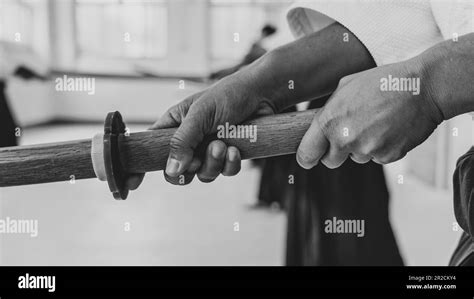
x: 259, y: 141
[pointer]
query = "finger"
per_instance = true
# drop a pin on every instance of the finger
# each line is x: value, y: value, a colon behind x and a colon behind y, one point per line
x: 213, y: 162
x: 361, y: 159
x: 195, y: 165
x: 377, y: 161
x: 187, y: 177
x: 174, y: 115
x: 313, y: 145
x: 184, y: 141
x: 232, y: 162
x: 134, y: 180
x: 170, y: 119
x: 334, y: 157
x: 388, y: 157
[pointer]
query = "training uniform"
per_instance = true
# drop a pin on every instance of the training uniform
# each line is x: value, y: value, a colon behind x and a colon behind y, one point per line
x: 20, y: 61
x: 463, y: 186
x: 7, y: 123
x: 391, y: 31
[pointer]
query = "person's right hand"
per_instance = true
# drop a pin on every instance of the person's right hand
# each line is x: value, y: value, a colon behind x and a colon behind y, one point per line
x: 231, y: 100
x: 304, y: 69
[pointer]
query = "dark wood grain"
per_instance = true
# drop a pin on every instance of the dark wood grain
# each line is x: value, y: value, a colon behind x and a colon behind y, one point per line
x: 43, y: 163
x: 141, y: 152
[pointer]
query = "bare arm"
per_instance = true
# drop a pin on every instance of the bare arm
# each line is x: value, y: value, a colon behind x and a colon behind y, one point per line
x: 314, y: 63
x: 448, y: 70
x: 366, y: 121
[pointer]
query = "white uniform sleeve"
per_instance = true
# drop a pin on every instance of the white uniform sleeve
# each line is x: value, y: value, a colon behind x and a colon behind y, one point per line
x: 454, y: 18
x: 391, y: 30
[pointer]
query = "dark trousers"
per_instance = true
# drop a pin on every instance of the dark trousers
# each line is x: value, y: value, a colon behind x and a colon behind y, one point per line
x: 311, y: 197
x: 350, y: 192
x: 7, y: 122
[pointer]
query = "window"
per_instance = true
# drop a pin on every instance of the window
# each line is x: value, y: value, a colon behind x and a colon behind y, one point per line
x: 16, y: 21
x: 236, y: 24
x: 121, y: 28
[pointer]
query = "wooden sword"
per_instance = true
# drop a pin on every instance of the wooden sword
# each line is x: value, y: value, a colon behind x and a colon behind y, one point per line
x: 115, y: 154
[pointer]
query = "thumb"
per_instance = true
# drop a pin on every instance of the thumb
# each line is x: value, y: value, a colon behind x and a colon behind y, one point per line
x: 183, y: 143
x: 313, y: 146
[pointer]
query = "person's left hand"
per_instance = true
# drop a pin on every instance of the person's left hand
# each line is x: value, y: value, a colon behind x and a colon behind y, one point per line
x: 365, y: 121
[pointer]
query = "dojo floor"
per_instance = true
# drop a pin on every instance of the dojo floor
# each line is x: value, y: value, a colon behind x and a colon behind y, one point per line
x: 81, y: 224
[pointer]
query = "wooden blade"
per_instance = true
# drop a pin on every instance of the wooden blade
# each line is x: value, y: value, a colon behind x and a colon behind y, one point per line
x: 142, y: 151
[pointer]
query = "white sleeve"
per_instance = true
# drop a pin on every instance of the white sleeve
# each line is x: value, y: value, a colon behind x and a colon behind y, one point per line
x: 454, y: 18
x: 391, y: 30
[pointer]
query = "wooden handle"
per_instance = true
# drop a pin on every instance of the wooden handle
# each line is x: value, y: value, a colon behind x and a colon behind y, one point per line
x: 142, y: 151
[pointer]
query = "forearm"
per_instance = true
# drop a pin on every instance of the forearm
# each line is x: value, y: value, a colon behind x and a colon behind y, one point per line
x: 309, y: 67
x: 448, y: 76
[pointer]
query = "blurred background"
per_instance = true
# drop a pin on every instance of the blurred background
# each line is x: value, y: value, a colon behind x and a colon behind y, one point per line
x: 146, y: 56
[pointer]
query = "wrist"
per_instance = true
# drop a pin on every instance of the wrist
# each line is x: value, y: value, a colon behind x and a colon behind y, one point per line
x: 269, y: 81
x: 446, y: 73
x: 252, y: 86
x: 421, y: 67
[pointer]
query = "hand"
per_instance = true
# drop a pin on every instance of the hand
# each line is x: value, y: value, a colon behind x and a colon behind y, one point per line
x: 307, y: 68
x: 233, y: 100
x: 365, y: 121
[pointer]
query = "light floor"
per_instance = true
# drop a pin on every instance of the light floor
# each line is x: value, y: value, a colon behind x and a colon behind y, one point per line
x: 161, y: 224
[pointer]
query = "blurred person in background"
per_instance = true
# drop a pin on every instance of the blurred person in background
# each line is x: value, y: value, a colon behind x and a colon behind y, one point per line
x: 257, y: 50
x: 19, y: 61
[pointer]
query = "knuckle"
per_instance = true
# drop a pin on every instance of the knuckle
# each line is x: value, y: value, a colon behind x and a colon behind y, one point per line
x: 383, y: 160
x: 360, y: 159
x: 339, y: 143
x: 324, y: 118
x: 176, y: 142
x: 389, y: 154
x: 325, y: 122
x: 364, y: 151
x: 350, y: 142
x: 329, y: 164
x: 374, y: 148
x: 395, y: 155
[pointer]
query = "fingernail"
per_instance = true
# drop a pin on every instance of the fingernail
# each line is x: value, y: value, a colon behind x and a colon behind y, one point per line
x: 172, y: 167
x: 304, y: 163
x: 216, y: 152
x: 232, y: 155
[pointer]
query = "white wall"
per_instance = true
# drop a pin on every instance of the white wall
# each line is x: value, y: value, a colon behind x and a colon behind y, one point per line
x: 187, y: 42
x: 139, y: 100
x: 435, y: 159
x: 32, y: 102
